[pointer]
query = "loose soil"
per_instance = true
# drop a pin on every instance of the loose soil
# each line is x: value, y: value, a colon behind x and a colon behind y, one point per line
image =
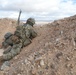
x: 52, y: 52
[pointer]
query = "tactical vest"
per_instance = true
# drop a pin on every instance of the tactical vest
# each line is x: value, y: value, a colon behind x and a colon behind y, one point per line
x: 21, y: 33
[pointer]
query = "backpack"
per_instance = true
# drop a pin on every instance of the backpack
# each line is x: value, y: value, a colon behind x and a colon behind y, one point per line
x: 7, y: 35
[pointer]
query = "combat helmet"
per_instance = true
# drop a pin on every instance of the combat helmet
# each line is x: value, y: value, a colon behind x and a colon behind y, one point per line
x: 30, y: 21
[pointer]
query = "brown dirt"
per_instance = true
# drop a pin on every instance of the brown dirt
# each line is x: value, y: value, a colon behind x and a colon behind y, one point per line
x: 52, y: 52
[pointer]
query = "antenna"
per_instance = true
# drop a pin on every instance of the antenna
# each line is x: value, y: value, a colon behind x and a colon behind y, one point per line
x: 19, y: 17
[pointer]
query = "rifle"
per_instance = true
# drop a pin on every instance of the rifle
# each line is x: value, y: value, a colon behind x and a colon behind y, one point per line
x: 18, y: 21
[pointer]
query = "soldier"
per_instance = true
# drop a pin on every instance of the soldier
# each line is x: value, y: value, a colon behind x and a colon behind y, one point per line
x: 21, y: 38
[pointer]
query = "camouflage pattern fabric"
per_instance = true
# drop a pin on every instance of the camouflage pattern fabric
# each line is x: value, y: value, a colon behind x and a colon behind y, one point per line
x: 4, y: 44
x: 7, y: 35
x: 25, y: 33
x: 30, y: 21
x: 22, y: 37
x: 13, y: 52
x: 7, y: 42
x: 8, y: 49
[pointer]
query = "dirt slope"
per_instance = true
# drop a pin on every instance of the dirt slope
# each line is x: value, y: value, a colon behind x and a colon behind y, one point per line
x: 6, y: 25
x: 52, y: 52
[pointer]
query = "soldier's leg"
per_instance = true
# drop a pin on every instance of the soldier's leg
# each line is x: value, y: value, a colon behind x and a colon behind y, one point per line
x: 7, y: 56
x: 14, y: 51
x: 27, y: 42
x: 4, y: 44
x: 8, y: 49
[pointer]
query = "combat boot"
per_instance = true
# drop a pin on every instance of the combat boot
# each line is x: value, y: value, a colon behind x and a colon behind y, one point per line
x: 0, y: 46
x: 1, y: 60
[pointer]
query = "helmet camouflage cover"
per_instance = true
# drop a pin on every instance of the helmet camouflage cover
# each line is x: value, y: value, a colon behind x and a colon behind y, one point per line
x: 30, y: 21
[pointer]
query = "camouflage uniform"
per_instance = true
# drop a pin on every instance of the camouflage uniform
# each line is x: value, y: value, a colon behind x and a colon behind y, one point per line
x: 7, y: 40
x: 21, y: 38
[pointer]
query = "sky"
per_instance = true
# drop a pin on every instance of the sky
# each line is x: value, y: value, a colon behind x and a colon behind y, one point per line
x: 38, y: 9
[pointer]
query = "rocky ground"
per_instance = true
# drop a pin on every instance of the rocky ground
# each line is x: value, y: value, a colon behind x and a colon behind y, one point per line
x: 52, y: 52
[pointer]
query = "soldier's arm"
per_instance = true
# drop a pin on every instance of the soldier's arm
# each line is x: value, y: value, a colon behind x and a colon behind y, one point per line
x: 33, y: 33
x: 28, y: 33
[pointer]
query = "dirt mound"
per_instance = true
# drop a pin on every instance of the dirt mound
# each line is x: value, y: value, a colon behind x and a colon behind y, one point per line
x: 52, y: 52
x: 6, y: 25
